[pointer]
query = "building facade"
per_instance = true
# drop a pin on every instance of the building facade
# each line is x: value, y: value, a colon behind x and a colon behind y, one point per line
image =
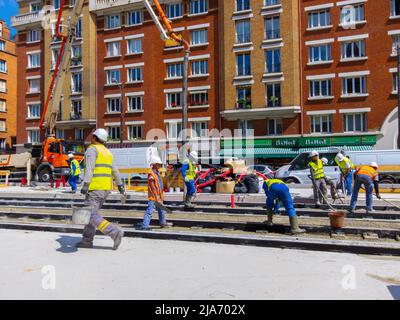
x: 37, y: 50
x: 8, y: 89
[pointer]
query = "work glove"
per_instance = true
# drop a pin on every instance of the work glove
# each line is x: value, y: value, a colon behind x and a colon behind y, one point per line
x: 187, y: 179
x: 85, y: 188
x: 121, y: 189
x: 379, y: 196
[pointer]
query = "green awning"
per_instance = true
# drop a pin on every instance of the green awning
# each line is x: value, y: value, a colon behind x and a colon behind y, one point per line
x: 346, y: 148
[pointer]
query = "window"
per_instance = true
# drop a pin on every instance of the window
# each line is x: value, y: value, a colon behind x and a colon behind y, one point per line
x: 352, y: 14
x: 355, y: 122
x: 319, y: 19
x: 76, y: 109
x: 321, y: 124
x: 35, y: 7
x: 242, y: 5
x: 174, y: 70
x: 320, y: 53
x: 354, y: 49
x: 174, y: 100
x: 275, y: 127
x: 34, y: 111
x: 2, y: 45
x: 273, y: 60
x: 3, y: 125
x: 134, y: 46
x: 198, y: 98
x: 113, y: 76
x: 113, y: 49
x: 3, y: 105
x: 268, y: 3
x: 33, y: 136
x: 76, y: 82
x: 34, y: 85
x: 56, y: 4
x: 246, y: 127
x: 78, y: 30
x: 243, y: 65
x: 199, y: 67
x: 272, y: 28
x: 54, y: 56
x: 60, y: 134
x: 198, y: 37
x: 243, y: 97
x: 135, y: 74
x: 273, y: 95
x: 113, y: 21
x: 174, y: 10
x: 198, y: 6
x: 3, y: 144
x: 3, y: 86
x: 394, y: 83
x: 320, y: 88
x: 243, y: 34
x: 80, y: 134
x: 395, y: 8
x: 113, y: 105
x: 354, y: 86
x: 3, y: 66
x: 174, y: 130
x: 134, y: 17
x: 135, y: 132
x: 76, y: 55
x: 34, y: 35
x: 395, y: 42
x: 34, y: 60
x: 135, y: 103
x: 199, y: 129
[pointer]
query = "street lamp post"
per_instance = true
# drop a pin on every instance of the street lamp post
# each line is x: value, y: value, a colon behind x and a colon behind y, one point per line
x: 120, y: 86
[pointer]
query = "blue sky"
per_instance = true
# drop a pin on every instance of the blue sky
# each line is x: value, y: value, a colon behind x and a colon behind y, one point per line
x: 8, y: 8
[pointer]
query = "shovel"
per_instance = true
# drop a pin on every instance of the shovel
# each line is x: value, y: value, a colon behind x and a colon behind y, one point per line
x: 388, y: 202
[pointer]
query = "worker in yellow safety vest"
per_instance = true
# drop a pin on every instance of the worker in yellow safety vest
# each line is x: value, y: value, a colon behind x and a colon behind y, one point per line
x: 75, y: 171
x: 188, y: 172
x: 347, y: 172
x: 97, y: 185
x: 318, y: 178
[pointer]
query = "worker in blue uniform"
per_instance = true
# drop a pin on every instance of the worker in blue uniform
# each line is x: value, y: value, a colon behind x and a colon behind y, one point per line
x: 188, y: 172
x: 278, y: 192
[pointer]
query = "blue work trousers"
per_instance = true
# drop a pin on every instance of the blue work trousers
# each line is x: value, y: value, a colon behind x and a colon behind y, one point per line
x: 73, y: 181
x: 366, y: 181
x: 280, y: 192
x: 147, y: 216
x: 347, y: 183
x: 190, y: 188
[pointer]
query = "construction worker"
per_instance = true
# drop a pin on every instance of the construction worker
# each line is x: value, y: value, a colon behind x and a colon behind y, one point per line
x: 278, y: 192
x: 97, y: 185
x: 368, y: 177
x: 188, y: 172
x: 330, y: 182
x: 318, y: 178
x: 155, y: 194
x: 347, y: 172
x: 75, y: 171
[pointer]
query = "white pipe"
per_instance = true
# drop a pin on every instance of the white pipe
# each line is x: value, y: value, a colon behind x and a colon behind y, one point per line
x: 153, y: 15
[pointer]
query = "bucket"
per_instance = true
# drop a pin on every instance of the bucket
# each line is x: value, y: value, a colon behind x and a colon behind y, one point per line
x: 81, y: 215
x: 337, y: 219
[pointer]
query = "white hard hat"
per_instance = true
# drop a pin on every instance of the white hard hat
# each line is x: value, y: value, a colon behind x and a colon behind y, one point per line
x: 156, y: 160
x: 373, y: 164
x: 314, y: 153
x: 101, y: 134
x: 324, y: 161
x: 340, y: 157
x: 70, y: 155
x: 194, y: 154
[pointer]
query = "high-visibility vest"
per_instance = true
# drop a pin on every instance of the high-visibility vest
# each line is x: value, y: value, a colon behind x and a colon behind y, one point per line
x: 369, y: 171
x: 191, y: 172
x: 270, y: 182
x: 77, y: 167
x: 102, y: 173
x: 317, y: 169
x: 151, y: 196
x: 343, y: 165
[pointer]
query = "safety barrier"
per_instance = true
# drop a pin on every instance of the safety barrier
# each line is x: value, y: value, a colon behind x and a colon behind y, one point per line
x: 5, y: 173
x: 137, y: 171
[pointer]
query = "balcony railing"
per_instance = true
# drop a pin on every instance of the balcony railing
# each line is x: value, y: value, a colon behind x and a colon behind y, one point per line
x: 26, y: 19
x: 95, y: 5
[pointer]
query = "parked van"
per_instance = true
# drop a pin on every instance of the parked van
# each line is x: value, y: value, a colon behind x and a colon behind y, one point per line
x: 298, y: 171
x: 131, y: 158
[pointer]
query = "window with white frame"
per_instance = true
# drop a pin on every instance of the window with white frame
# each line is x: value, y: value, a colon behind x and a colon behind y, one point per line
x: 3, y: 105
x: 395, y: 8
x: 246, y: 127
x: 354, y: 86
x: 33, y: 136
x: 56, y: 4
x: 34, y: 35
x: 272, y: 28
x: 243, y: 98
x: 135, y: 74
x: 135, y: 132
x: 174, y: 100
x: 113, y: 21
x: 3, y: 125
x: 199, y: 129
x: 321, y: 88
x: 273, y: 96
x: 199, y: 67
x: 54, y: 56
x: 352, y: 14
x: 198, y: 6
x: 242, y: 5
x: 113, y: 76
x: 113, y: 49
x: 135, y: 103
x: 395, y: 42
x: 174, y: 70
x: 174, y: 130
x: 243, y: 64
x: 134, y: 46
x: 80, y: 134
x: 319, y: 19
x: 2, y: 45
x: 174, y: 10
x: 320, y: 53
x: 243, y: 33
x: 321, y: 123
x: 114, y: 133
x: 275, y: 127
x: 35, y: 7
x: 78, y: 29
x: 394, y: 82
x: 134, y: 17
x: 34, y: 111
x: 34, y: 60
x: 76, y: 109
x: 198, y: 98
x: 3, y: 144
x: 3, y: 66
x: 34, y: 85
x: 273, y: 60
x: 76, y: 55
x: 268, y: 3
x: 3, y: 86
x: 355, y: 122
x: 199, y: 36
x: 76, y: 82
x: 353, y: 49
x: 113, y: 105
x: 60, y: 134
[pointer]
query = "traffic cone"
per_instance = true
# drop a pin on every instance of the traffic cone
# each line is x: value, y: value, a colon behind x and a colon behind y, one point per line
x: 232, y: 201
x: 23, y: 182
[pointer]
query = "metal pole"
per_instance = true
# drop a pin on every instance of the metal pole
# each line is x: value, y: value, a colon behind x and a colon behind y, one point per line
x: 121, y: 140
x: 398, y: 96
x: 185, y: 110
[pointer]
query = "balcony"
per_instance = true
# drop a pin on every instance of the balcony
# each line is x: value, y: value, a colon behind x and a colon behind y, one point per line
x: 27, y: 18
x: 98, y: 5
x: 259, y: 113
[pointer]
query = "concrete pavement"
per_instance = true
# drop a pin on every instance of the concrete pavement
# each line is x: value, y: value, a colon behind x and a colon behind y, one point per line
x: 41, y: 265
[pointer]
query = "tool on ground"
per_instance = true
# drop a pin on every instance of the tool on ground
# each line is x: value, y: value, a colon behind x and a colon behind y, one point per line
x: 388, y: 202
x: 123, y: 199
x: 161, y: 206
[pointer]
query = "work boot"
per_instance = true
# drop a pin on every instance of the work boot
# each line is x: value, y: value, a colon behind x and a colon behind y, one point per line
x: 270, y: 222
x: 317, y: 205
x: 188, y: 202
x: 351, y: 210
x: 166, y: 225
x: 118, y: 239
x: 294, y: 226
x: 371, y: 210
x: 84, y: 244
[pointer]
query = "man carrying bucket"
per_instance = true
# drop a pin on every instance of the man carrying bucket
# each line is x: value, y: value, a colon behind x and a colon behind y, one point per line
x: 75, y: 171
x: 97, y: 185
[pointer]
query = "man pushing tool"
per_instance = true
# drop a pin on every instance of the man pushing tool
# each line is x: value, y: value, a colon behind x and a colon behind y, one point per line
x: 318, y: 178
